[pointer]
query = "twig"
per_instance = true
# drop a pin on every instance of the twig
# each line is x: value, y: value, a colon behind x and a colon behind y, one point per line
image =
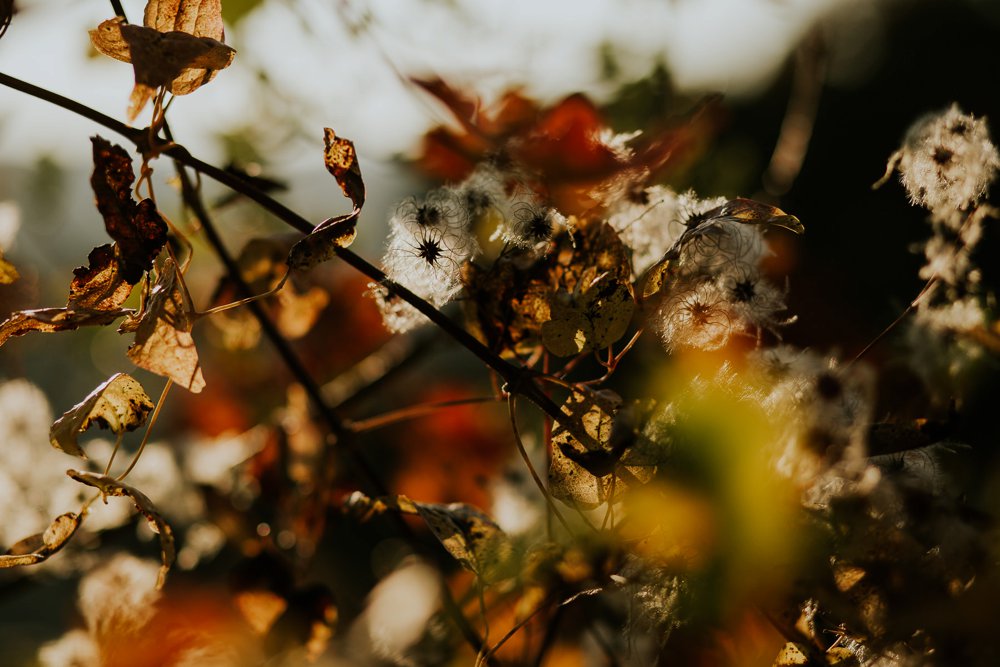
x: 511, y: 401
x: 413, y: 412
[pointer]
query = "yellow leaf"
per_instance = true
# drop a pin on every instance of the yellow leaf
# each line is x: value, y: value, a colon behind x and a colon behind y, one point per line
x: 119, y: 404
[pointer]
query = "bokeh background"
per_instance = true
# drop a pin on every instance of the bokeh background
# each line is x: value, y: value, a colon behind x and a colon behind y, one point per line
x: 833, y: 83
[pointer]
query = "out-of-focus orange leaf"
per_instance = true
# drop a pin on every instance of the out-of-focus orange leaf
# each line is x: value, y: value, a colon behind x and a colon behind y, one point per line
x: 137, y: 228
x: 163, y: 342
x: 109, y: 486
x: 566, y: 146
x: 322, y: 243
x: 35, y: 549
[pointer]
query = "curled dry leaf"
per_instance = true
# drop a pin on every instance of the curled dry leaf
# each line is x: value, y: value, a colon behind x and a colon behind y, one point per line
x: 100, y: 285
x: 743, y: 211
x: 599, y: 470
x: 35, y: 549
x: 49, y: 320
x: 109, y: 486
x: 322, y: 243
x: 119, y: 404
x: 469, y: 535
x: 163, y: 342
x: 179, y: 61
x: 137, y: 228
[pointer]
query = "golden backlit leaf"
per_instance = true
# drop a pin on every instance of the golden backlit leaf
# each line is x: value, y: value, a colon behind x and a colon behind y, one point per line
x: 180, y: 61
x: 37, y: 548
x: 163, y: 342
x: 101, y: 284
x: 792, y: 654
x: 137, y: 228
x: 201, y: 18
x: 339, y: 232
x: 8, y: 273
x: 592, y: 320
x: 49, y: 320
x: 109, y: 486
x: 119, y: 404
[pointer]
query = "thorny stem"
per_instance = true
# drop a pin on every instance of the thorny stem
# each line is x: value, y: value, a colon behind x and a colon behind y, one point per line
x: 518, y: 379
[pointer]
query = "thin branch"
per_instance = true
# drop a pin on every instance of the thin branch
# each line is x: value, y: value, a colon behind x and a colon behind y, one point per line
x: 413, y: 412
x: 511, y: 400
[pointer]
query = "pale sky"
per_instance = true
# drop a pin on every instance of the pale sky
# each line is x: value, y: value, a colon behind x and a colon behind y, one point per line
x: 330, y: 78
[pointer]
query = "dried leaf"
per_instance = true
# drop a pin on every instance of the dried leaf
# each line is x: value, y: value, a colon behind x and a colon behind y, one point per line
x: 179, y: 61
x: 163, y: 342
x: 110, y: 486
x: 323, y: 242
x: 609, y: 462
x: 469, y: 535
x: 119, y: 404
x: 592, y: 320
x: 100, y: 285
x: 792, y: 654
x: 8, y: 273
x: 137, y: 229
x: 35, y: 549
x: 201, y: 18
x: 48, y: 320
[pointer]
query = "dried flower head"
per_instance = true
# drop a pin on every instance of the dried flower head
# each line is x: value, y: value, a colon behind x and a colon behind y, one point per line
x: 947, y: 160
x: 527, y: 223
x: 696, y: 315
x: 649, y: 225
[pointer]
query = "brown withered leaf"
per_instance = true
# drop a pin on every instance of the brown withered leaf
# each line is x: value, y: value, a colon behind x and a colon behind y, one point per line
x: 33, y: 550
x: 109, y: 486
x: 8, y: 272
x: 470, y: 536
x: 100, y: 285
x: 599, y: 470
x: 180, y: 61
x: 163, y: 342
x: 322, y: 243
x: 342, y: 161
x: 137, y: 228
x: 6, y: 14
x: 118, y: 404
x: 49, y: 320
x: 201, y: 18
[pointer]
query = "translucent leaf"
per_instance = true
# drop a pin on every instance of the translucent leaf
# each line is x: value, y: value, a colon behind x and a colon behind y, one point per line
x: 792, y: 654
x: 109, y: 486
x: 592, y: 320
x: 35, y: 549
x: 469, y: 535
x: 119, y: 404
x: 163, y: 342
x: 202, y: 18
x: 137, y: 228
x: 321, y: 244
x: 610, y: 461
